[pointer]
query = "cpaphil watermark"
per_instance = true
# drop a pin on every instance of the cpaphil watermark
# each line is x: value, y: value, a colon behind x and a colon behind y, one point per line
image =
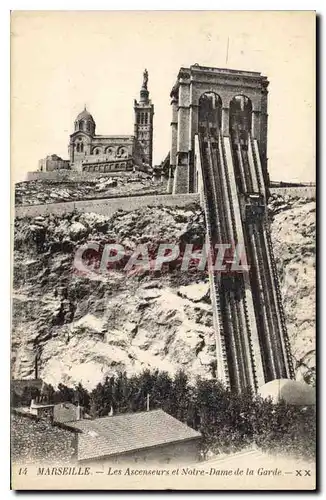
x: 96, y: 258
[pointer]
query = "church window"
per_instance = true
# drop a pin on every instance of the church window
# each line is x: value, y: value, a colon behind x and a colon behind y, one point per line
x: 88, y: 126
x: 77, y: 147
x: 82, y: 148
x: 96, y: 151
x: 138, y: 117
x: 80, y: 126
x: 146, y: 118
x: 142, y: 118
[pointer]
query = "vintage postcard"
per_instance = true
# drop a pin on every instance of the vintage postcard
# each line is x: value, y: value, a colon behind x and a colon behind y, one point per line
x: 163, y: 267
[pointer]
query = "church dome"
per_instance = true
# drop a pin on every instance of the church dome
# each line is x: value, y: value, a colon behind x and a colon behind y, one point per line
x: 85, y: 115
x: 85, y: 122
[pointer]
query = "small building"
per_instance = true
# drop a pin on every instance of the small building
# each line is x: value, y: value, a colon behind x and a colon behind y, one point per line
x: 42, y: 410
x: 62, y: 412
x: 144, y: 437
x: 67, y: 412
x: 58, y: 412
x: 52, y: 163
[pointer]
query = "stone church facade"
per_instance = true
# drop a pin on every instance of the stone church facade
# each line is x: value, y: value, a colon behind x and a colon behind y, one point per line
x: 89, y: 152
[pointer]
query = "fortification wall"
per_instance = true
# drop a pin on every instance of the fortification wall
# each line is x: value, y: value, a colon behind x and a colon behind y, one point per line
x: 111, y: 205
x: 107, y: 206
x: 71, y: 175
x: 308, y: 192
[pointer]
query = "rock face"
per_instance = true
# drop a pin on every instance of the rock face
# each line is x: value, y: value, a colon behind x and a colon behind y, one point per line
x: 293, y: 234
x: 86, y: 325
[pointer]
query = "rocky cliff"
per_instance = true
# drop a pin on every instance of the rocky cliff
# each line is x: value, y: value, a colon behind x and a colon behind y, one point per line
x: 294, y: 238
x: 84, y: 326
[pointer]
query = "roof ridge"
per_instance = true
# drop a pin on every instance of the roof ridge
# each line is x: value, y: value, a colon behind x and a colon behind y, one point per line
x: 129, y: 413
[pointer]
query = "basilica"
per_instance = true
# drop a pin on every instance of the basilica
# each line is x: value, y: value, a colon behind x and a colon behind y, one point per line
x: 90, y: 152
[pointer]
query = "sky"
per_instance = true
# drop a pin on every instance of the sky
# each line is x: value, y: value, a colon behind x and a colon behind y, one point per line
x: 62, y: 60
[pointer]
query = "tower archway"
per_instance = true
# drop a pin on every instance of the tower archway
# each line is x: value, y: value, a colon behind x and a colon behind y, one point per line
x: 240, y: 118
x: 210, y: 109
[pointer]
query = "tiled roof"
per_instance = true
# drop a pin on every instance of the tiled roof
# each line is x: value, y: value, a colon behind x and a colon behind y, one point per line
x: 107, y: 436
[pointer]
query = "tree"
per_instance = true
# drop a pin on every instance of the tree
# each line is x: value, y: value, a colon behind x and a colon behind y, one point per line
x: 97, y: 401
x: 180, y: 396
x: 82, y: 396
x: 64, y: 394
x: 161, y: 391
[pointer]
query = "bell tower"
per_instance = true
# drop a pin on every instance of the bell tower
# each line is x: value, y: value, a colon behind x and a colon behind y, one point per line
x: 143, y: 128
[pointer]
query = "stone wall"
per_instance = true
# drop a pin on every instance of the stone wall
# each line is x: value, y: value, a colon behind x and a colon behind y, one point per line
x: 308, y: 192
x: 107, y: 206
x: 71, y: 175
